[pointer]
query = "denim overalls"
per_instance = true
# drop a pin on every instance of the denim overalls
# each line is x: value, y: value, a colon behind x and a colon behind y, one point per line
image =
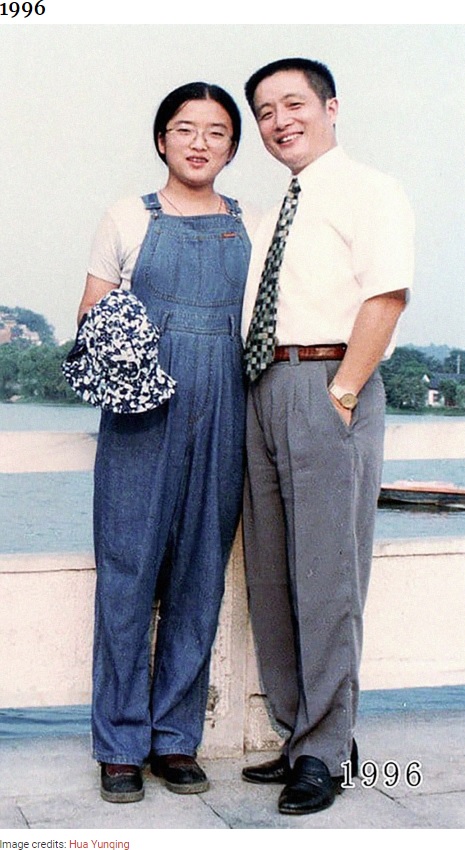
x: 168, y: 489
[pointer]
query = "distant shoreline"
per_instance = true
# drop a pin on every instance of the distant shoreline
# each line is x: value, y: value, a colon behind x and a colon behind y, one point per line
x: 427, y: 411
x: 79, y: 405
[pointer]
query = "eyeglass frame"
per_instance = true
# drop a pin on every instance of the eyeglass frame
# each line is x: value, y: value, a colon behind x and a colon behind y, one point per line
x: 190, y: 134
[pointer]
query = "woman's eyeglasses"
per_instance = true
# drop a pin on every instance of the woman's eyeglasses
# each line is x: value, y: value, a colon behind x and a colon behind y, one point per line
x: 212, y: 137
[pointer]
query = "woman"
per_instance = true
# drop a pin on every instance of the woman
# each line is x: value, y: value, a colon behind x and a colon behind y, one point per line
x: 168, y: 482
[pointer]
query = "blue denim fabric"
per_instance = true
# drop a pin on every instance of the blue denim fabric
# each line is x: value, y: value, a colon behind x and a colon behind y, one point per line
x: 168, y: 489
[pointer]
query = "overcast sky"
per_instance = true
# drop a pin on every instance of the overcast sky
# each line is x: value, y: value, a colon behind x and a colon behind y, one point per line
x: 76, y: 112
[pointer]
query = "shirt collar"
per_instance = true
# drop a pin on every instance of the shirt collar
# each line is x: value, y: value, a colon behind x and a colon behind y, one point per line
x: 321, y: 167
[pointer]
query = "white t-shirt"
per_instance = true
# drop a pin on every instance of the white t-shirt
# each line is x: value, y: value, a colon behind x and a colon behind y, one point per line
x: 119, y: 238
x: 351, y: 239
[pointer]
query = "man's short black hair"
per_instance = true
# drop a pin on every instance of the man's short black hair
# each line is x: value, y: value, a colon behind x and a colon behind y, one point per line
x: 319, y: 77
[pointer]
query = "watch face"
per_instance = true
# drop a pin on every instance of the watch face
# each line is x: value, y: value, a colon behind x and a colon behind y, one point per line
x: 349, y: 401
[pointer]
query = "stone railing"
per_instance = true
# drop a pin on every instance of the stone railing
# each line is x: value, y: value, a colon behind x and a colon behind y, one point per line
x: 414, y: 625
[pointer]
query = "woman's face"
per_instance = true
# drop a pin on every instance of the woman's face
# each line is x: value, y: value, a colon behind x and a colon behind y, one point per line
x: 197, y: 143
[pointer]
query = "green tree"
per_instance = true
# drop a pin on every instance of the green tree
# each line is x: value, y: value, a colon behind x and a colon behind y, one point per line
x: 448, y: 388
x: 404, y: 379
x: 460, y: 398
x: 9, y: 370
x: 34, y: 321
x: 455, y: 362
x: 40, y: 376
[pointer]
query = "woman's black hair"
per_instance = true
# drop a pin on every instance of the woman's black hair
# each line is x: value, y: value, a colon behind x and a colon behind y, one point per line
x: 195, y: 91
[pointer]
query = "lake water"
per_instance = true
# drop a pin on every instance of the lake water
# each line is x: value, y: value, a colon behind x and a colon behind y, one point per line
x: 52, y: 511
x: 49, y: 417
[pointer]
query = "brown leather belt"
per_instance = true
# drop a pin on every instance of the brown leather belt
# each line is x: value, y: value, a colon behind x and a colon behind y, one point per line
x: 311, y: 352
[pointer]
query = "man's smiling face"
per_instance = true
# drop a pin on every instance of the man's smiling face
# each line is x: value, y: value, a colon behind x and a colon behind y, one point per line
x: 296, y: 127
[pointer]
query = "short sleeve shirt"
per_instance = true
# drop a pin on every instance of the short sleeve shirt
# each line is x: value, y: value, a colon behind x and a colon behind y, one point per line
x: 351, y: 239
x: 118, y: 241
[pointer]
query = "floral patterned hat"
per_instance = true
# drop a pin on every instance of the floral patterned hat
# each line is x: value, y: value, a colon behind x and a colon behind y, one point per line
x: 114, y: 361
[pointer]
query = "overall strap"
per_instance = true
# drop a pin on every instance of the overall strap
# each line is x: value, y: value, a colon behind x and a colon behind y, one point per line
x: 233, y: 207
x: 152, y: 204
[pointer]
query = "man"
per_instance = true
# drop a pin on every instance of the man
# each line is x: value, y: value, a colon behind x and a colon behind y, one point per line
x: 319, y: 314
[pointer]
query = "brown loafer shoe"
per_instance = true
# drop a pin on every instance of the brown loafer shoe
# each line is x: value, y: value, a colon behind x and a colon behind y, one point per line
x: 181, y: 774
x: 121, y: 783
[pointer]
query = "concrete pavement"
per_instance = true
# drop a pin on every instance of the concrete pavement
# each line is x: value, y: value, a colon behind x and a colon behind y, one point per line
x: 51, y: 783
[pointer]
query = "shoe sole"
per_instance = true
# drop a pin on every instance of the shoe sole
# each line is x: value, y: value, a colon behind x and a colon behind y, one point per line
x: 264, y: 781
x: 307, y: 811
x: 193, y: 788
x: 122, y: 796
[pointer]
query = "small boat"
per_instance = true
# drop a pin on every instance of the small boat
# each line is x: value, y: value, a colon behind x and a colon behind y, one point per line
x: 437, y: 494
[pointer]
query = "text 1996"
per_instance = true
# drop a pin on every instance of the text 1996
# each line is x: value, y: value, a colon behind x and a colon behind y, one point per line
x: 11, y: 10
x: 390, y: 774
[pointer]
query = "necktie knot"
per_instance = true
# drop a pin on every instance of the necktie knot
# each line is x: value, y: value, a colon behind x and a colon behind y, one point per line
x: 294, y: 186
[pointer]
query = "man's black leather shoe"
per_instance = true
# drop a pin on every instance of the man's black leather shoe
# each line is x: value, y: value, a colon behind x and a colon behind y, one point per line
x: 338, y: 780
x: 309, y: 790
x: 180, y: 773
x: 121, y: 783
x: 276, y: 771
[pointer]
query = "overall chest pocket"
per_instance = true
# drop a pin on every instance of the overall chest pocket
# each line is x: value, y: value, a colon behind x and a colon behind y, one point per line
x: 206, y: 269
x: 234, y: 257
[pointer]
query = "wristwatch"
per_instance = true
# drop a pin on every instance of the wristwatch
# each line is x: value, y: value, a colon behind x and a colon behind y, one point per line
x: 346, y: 399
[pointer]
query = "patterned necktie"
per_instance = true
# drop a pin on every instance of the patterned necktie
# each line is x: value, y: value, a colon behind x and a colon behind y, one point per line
x: 261, y: 338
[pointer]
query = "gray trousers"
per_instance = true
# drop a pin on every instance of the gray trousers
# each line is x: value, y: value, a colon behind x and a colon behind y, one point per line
x: 310, y: 501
